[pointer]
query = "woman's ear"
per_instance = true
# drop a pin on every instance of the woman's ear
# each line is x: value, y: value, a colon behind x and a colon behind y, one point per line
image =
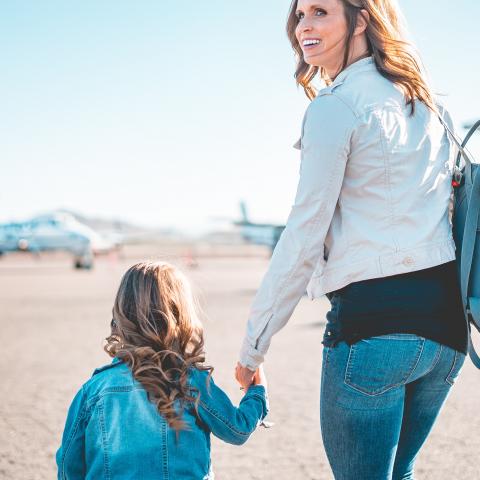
x: 363, y: 18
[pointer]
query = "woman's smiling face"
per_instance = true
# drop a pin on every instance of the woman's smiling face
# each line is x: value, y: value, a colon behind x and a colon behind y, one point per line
x: 321, y: 33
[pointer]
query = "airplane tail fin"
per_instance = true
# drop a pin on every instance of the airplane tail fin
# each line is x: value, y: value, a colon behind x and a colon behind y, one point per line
x: 243, y: 208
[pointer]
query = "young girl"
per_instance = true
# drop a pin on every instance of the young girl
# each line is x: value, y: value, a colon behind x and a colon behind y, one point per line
x: 150, y: 412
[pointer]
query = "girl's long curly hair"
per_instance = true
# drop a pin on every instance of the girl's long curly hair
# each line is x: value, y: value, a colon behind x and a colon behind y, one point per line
x: 157, y: 333
x: 392, y: 53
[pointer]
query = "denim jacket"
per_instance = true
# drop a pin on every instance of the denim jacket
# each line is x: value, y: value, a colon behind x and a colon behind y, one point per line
x: 114, y: 432
x: 372, y: 199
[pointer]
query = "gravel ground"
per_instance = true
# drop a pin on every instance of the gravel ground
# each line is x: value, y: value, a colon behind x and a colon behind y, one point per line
x: 53, y: 320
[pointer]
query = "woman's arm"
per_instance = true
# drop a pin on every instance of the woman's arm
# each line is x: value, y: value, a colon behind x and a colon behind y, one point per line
x: 71, y: 454
x: 327, y: 131
x: 227, y: 422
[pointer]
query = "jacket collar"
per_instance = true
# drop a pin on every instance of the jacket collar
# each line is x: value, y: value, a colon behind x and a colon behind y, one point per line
x: 365, y: 64
x: 362, y: 65
x: 116, y: 361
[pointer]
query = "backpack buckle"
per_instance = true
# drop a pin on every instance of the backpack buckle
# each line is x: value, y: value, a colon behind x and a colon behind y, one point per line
x: 457, y: 177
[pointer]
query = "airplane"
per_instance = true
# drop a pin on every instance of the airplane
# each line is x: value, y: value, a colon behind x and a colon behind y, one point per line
x: 51, y: 232
x: 258, y: 233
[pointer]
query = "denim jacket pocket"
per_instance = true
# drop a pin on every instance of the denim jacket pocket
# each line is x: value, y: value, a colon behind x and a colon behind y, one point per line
x: 378, y: 364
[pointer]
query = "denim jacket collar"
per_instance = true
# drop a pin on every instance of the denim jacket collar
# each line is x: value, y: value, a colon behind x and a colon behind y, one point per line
x: 114, y: 363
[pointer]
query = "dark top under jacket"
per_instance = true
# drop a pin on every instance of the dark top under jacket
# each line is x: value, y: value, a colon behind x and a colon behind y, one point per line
x: 426, y: 302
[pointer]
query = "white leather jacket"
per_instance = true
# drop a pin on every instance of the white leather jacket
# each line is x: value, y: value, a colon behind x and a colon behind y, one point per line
x: 372, y: 199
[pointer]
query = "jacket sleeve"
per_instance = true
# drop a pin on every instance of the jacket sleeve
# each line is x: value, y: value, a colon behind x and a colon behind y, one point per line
x: 71, y: 454
x: 325, y: 144
x: 226, y: 421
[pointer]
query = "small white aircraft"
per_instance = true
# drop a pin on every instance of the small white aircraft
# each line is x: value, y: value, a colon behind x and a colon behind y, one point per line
x: 56, y: 231
x: 258, y: 233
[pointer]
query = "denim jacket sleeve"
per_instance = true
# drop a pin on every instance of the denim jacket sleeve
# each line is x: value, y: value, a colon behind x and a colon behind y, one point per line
x: 325, y: 144
x: 71, y: 454
x: 227, y: 422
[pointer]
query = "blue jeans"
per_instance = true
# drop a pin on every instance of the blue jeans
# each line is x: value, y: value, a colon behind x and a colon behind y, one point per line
x: 379, y: 400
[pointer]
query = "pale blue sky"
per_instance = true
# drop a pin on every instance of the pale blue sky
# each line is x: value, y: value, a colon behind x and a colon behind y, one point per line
x: 168, y: 113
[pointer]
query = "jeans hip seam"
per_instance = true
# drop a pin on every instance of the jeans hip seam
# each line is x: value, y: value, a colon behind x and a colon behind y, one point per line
x: 351, y: 355
x: 417, y: 361
x: 325, y: 363
x: 435, y: 360
x: 448, y: 380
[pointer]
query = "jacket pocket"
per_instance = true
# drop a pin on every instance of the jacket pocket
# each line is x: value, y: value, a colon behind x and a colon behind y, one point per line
x: 378, y: 364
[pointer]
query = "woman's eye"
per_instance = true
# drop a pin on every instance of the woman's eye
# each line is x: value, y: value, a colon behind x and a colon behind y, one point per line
x: 318, y: 13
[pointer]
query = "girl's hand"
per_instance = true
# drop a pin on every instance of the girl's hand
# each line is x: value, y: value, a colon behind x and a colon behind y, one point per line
x: 259, y: 378
x: 244, y: 376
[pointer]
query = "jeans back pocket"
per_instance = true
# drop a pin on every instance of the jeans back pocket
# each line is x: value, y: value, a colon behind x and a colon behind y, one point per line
x: 378, y: 364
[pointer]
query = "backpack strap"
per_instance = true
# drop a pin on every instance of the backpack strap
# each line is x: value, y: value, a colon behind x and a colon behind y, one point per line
x: 468, y: 247
x: 462, y: 151
x: 470, y: 230
x: 470, y: 236
x: 473, y: 354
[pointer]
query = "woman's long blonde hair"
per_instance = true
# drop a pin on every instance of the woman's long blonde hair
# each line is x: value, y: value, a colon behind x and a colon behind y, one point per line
x: 157, y: 333
x: 392, y: 54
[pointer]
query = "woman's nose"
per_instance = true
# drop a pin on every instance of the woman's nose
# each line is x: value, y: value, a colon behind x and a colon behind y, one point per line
x: 305, y: 26
x: 302, y: 29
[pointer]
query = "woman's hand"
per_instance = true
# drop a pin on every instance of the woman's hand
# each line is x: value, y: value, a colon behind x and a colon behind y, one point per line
x: 244, y: 376
x: 260, y: 378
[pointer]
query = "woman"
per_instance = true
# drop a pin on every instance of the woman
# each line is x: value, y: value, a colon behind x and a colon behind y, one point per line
x: 369, y: 228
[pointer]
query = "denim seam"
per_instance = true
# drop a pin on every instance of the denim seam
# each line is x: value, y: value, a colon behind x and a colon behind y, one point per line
x: 377, y: 409
x: 165, y: 451
x: 72, y: 434
x: 106, y: 463
x: 417, y: 360
x: 449, y: 380
x: 351, y: 358
x: 264, y: 405
x: 257, y: 395
x: 349, y: 366
x: 322, y: 383
x: 435, y: 360
x: 93, y: 400
x: 263, y: 400
x: 325, y: 363
x: 393, y: 337
x: 225, y: 422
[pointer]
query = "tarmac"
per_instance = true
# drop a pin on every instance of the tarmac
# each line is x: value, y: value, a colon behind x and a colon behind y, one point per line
x: 53, y: 321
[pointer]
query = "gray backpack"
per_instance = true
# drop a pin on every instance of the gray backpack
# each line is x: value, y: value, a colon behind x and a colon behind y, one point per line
x: 466, y: 232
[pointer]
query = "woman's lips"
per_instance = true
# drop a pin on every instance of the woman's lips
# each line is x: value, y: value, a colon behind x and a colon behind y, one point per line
x: 310, y: 45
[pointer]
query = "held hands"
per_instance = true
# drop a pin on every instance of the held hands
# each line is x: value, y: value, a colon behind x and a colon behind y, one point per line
x: 246, y: 377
